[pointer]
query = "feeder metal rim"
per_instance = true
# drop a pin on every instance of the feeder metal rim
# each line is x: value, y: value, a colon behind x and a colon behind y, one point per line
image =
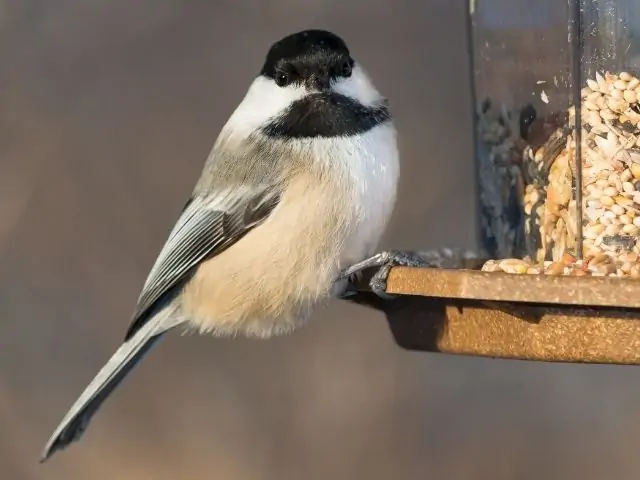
x: 614, y: 292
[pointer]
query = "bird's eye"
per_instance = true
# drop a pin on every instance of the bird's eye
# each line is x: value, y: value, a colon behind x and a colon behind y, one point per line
x: 346, y: 69
x: 282, y: 79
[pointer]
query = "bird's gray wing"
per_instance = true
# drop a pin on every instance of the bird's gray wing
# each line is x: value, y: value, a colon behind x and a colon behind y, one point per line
x: 205, y: 228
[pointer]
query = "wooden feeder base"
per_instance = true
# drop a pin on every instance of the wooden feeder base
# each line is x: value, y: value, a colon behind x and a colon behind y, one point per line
x: 526, y: 317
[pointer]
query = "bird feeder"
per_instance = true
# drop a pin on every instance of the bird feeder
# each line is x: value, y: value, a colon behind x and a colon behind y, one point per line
x: 557, y: 160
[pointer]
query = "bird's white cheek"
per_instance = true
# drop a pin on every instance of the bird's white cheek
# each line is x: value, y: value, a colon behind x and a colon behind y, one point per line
x: 359, y: 87
x: 264, y: 101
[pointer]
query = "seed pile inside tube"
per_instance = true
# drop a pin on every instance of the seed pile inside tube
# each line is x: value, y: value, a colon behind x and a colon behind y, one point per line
x: 611, y: 188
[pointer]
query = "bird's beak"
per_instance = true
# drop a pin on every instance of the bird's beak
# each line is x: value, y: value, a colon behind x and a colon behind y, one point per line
x: 320, y: 83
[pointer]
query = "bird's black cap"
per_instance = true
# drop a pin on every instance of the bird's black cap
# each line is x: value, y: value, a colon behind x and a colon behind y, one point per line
x: 308, y: 46
x: 305, y: 51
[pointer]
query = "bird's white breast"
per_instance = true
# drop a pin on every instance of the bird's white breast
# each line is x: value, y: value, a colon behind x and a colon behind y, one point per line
x: 370, y: 167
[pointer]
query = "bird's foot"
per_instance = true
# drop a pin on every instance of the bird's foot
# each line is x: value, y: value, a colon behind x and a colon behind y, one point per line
x: 385, y: 261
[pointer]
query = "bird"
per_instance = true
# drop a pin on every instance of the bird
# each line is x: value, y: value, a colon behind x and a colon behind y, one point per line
x: 287, y: 213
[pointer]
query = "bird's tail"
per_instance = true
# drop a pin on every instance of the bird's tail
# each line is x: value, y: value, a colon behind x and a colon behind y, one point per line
x: 106, y: 381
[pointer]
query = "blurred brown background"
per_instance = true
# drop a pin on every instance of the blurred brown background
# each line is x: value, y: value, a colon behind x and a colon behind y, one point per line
x: 107, y: 111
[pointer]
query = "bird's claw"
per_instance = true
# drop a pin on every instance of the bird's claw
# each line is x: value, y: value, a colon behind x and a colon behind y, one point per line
x: 393, y: 258
x: 385, y: 261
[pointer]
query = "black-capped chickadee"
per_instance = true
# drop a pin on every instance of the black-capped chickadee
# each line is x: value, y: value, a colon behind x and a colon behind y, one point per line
x: 290, y: 206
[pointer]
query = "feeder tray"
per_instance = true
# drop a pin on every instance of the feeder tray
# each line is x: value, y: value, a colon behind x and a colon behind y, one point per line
x: 526, y: 317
